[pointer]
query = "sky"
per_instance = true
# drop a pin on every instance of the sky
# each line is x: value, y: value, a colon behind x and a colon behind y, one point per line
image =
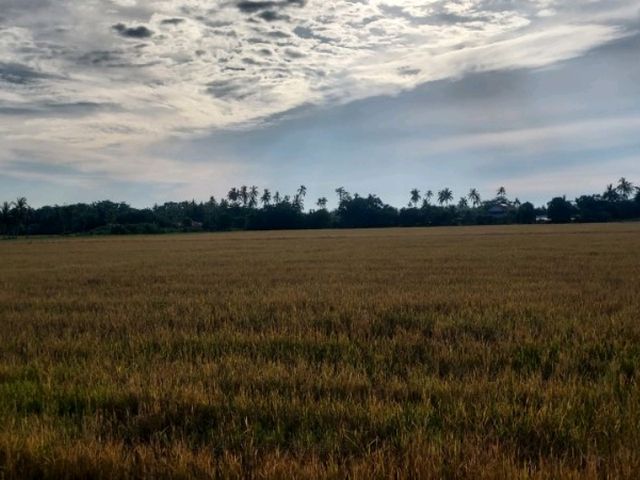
x: 147, y: 101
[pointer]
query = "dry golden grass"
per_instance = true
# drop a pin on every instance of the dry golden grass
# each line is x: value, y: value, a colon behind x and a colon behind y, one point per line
x: 498, y: 352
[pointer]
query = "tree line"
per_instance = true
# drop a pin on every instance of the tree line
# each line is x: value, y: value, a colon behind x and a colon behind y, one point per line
x: 248, y: 208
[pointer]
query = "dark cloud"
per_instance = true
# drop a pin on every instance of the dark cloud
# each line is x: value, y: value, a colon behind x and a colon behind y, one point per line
x: 100, y: 57
x: 224, y: 89
x: 132, y: 32
x: 303, y: 32
x: 251, y: 61
x: 409, y: 71
x: 20, y: 74
x: 271, y: 16
x: 278, y: 34
x: 252, y: 6
x: 172, y: 21
x: 291, y: 53
x: 233, y: 69
x: 306, y: 33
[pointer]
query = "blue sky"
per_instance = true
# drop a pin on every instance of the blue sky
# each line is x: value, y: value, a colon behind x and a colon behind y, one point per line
x: 148, y: 101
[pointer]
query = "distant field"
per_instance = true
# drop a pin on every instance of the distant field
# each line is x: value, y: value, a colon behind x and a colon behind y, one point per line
x: 419, y: 353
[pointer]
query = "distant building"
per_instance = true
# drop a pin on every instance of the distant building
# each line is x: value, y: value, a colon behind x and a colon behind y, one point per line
x: 498, y: 211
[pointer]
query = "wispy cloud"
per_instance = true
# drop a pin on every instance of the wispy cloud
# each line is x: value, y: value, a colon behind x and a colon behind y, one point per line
x: 591, y: 133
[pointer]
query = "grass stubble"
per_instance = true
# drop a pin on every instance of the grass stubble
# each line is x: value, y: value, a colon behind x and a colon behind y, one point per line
x: 482, y: 352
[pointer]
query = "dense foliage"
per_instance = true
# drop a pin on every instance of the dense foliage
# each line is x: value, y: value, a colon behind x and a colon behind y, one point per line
x: 245, y: 208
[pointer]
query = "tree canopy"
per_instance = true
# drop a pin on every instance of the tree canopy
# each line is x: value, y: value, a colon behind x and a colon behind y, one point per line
x: 245, y: 208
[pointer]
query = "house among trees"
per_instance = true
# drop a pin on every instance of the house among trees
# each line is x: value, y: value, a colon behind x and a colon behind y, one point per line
x: 499, y: 211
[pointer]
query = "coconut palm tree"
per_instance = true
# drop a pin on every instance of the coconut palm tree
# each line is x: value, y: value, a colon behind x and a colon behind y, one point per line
x: 415, y: 197
x: 463, y: 204
x: 253, y: 196
x: 502, y: 193
x: 266, y: 197
x: 611, y: 194
x: 624, y: 188
x: 322, y: 203
x: 20, y: 212
x: 428, y: 196
x: 474, y: 197
x: 276, y: 198
x: 445, y: 196
x: 244, y: 195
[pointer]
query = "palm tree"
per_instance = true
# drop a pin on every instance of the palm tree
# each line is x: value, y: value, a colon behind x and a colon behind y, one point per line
x: 463, y: 204
x: 474, y: 197
x: 637, y: 198
x: 253, y: 196
x: 415, y: 197
x: 20, y: 212
x: 276, y: 198
x: 322, y: 203
x: 502, y: 193
x: 244, y: 195
x: 266, y: 197
x: 428, y: 196
x: 610, y: 194
x: 445, y: 196
x: 624, y: 188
